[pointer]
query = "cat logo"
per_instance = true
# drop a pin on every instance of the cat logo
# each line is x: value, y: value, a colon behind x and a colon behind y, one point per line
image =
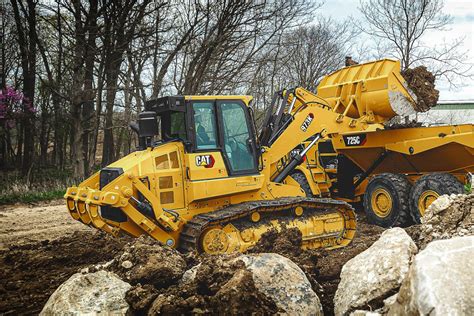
x: 307, y: 122
x: 206, y: 161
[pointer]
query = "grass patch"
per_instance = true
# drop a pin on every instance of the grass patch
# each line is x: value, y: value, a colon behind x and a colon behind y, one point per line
x: 43, y: 185
x: 31, y: 197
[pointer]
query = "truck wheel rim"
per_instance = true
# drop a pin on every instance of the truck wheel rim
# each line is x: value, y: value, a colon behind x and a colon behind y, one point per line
x: 381, y: 201
x: 425, y: 200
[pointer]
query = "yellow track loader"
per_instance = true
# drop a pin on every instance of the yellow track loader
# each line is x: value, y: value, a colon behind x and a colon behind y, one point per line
x: 203, y: 181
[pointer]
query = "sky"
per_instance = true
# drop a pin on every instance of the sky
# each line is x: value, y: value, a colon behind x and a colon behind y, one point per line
x: 462, y: 12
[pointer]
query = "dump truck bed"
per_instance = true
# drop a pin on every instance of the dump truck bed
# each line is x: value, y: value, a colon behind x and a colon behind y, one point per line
x: 411, y: 150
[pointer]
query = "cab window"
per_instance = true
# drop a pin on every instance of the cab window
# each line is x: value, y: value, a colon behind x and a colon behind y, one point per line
x: 205, y: 125
x: 237, y: 137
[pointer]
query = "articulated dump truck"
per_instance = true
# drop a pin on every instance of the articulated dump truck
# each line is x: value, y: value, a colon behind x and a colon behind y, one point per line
x: 395, y: 172
x: 203, y: 179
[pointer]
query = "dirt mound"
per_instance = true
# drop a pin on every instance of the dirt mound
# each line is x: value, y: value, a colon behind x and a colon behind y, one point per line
x: 145, y: 261
x: 447, y: 217
x: 220, y: 286
x: 422, y: 83
x: 31, y: 273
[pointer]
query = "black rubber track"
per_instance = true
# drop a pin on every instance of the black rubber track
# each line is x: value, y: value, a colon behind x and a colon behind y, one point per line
x: 441, y: 183
x: 301, y: 179
x: 399, y: 188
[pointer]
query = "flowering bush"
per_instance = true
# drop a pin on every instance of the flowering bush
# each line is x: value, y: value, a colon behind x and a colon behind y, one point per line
x: 13, y: 106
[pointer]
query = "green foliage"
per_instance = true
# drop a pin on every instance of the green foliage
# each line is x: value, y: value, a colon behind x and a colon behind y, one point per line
x: 31, y: 197
x: 42, y: 185
x: 468, y: 188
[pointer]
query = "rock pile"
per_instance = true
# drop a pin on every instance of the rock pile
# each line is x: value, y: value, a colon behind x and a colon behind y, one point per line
x: 447, y: 217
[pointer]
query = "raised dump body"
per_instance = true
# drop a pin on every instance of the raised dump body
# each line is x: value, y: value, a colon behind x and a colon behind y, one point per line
x: 375, y: 89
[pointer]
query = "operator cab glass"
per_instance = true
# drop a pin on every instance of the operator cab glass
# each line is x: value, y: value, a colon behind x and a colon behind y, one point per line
x: 237, y: 139
x: 205, y: 125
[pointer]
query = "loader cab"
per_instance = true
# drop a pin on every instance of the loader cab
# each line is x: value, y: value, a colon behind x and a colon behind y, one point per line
x: 207, y: 125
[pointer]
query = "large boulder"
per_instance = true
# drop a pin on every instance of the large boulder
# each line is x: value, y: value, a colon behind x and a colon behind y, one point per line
x: 447, y: 217
x: 440, y: 281
x: 376, y: 273
x: 89, y: 293
x: 284, y: 282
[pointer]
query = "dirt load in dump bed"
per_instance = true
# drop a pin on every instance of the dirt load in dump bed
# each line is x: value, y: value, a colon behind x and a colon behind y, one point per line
x: 422, y: 83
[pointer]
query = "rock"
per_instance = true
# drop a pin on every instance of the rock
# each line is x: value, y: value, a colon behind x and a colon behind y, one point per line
x: 284, y: 282
x: 127, y: 264
x: 440, y: 281
x: 360, y: 312
x: 190, y: 275
x: 448, y: 216
x: 99, y: 292
x: 376, y: 273
x: 145, y: 261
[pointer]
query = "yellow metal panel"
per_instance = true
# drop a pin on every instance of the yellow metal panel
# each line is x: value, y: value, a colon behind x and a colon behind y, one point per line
x: 206, y: 189
x: 208, y: 165
x: 374, y: 88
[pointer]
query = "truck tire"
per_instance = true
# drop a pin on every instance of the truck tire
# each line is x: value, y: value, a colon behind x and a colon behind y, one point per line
x: 301, y: 179
x: 386, y: 200
x: 428, y: 188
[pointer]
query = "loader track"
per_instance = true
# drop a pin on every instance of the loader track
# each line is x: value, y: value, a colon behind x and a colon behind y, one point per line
x: 190, y: 236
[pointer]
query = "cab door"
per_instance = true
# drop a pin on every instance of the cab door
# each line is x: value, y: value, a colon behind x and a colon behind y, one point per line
x: 223, y: 160
x: 237, y: 137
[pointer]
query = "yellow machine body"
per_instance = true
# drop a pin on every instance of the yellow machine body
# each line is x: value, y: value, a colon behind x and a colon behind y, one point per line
x: 219, y: 191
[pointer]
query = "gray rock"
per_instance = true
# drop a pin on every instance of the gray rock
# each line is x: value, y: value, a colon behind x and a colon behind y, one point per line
x: 376, y: 273
x: 190, y: 275
x: 281, y: 280
x: 448, y: 216
x: 440, y: 281
x: 101, y: 292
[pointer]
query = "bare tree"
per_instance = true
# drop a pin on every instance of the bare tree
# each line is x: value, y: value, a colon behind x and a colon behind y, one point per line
x: 316, y: 50
x: 25, y: 20
x: 401, y: 25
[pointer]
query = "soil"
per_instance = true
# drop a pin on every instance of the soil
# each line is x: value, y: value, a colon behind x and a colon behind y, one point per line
x: 36, y: 258
x: 221, y: 286
x: 42, y: 247
x: 422, y: 83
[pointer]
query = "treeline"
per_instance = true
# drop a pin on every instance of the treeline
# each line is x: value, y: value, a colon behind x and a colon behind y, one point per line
x: 75, y: 73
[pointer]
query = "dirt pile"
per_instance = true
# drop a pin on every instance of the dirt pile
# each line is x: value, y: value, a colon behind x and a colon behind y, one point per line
x: 422, y: 83
x: 447, y: 217
x: 31, y: 273
x: 220, y: 285
x: 145, y: 261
